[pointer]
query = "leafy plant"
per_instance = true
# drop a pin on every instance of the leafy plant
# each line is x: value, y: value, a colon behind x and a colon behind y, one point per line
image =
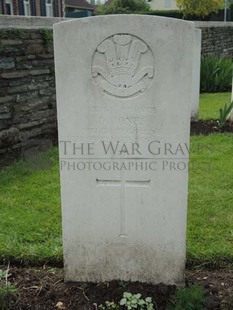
x: 224, y: 114
x: 109, y: 305
x: 129, y: 302
x: 134, y: 301
x: 216, y: 73
x: 124, y: 7
x: 47, y: 35
x: 200, y: 7
x: 188, y: 298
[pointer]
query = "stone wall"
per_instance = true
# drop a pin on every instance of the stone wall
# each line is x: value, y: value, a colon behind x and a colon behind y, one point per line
x: 27, y: 92
x: 27, y: 81
x: 217, y: 38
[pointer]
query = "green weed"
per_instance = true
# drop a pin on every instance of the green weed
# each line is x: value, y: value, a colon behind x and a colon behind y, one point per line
x: 129, y: 302
x: 7, y: 291
x: 224, y: 114
x: 47, y: 35
x: 188, y: 298
x: 216, y: 73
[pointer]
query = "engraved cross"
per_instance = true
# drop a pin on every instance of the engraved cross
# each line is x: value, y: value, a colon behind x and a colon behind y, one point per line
x: 123, y: 184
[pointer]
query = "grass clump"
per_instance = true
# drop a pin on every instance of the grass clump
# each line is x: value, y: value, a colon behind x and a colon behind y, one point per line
x: 7, y: 291
x: 188, y: 298
x: 7, y: 296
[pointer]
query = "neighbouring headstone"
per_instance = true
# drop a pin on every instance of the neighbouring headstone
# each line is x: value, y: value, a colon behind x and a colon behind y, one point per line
x: 232, y: 90
x: 124, y: 93
x: 196, y: 75
x: 231, y: 115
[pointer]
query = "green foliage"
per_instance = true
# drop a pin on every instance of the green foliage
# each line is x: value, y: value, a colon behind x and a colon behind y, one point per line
x: 200, y: 7
x: 129, y: 302
x: 7, y: 295
x: 109, y: 305
x: 167, y: 13
x: 188, y: 298
x: 134, y: 301
x: 7, y: 291
x: 216, y: 73
x: 140, y: 7
x: 224, y: 114
x: 47, y: 35
x: 10, y: 33
x: 124, y: 7
x: 179, y: 14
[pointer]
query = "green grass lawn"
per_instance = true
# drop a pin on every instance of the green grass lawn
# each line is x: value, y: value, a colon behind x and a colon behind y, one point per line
x: 211, y: 103
x: 30, y: 225
x: 210, y: 203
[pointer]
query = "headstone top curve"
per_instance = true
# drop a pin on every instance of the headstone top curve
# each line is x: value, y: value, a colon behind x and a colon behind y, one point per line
x: 129, y: 17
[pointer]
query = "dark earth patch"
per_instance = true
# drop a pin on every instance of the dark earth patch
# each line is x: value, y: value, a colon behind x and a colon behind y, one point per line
x: 44, y: 289
x: 207, y: 127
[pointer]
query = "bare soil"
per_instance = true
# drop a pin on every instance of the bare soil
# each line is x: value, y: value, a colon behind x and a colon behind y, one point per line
x: 43, y: 288
x: 207, y: 127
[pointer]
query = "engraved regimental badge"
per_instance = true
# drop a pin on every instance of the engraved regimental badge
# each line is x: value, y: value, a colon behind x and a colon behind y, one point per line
x: 123, y: 65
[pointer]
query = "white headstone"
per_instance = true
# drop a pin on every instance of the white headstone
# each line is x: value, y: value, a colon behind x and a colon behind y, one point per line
x: 123, y: 88
x: 196, y: 75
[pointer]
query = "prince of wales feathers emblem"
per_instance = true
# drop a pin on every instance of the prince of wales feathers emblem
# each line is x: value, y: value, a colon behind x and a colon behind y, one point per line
x: 122, y: 78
